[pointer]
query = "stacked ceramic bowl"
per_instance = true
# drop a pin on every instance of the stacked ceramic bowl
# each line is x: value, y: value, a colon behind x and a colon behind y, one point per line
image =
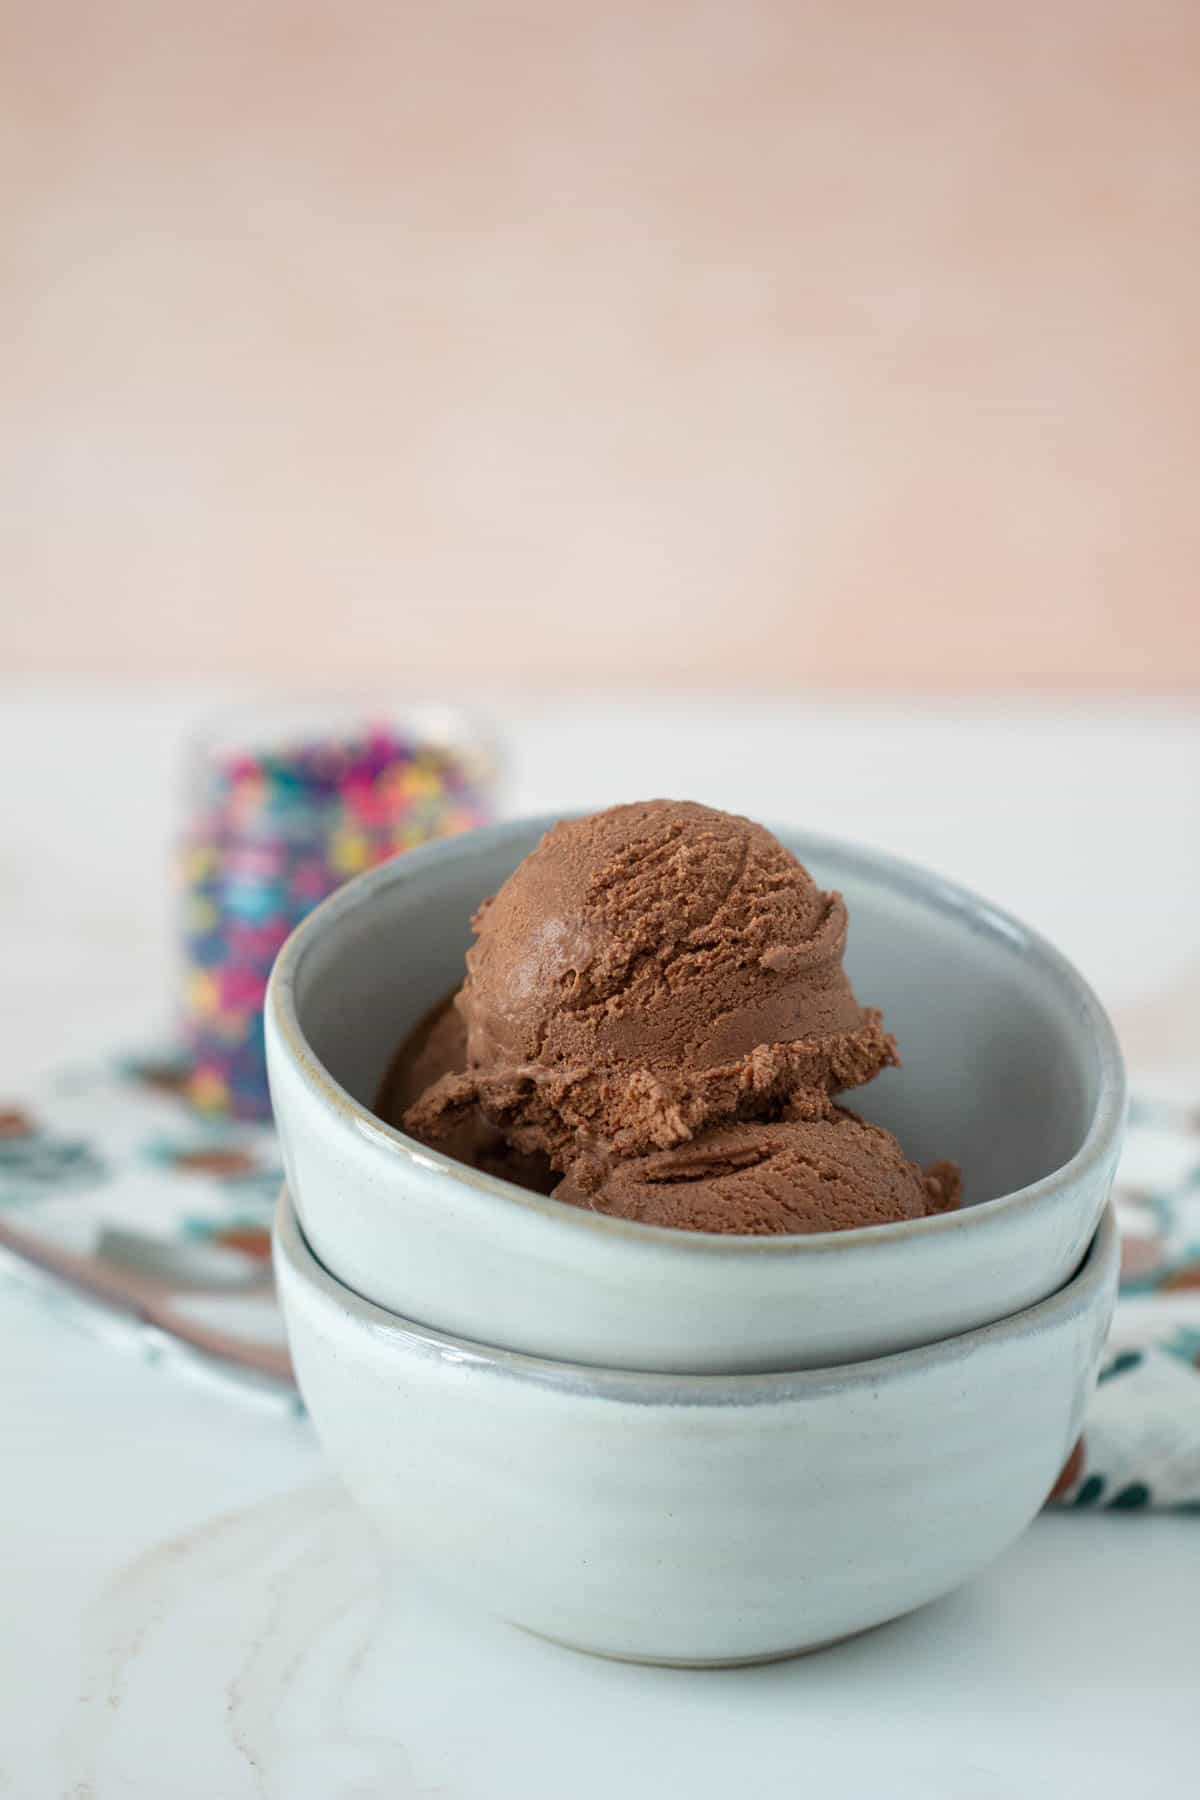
x: 677, y: 1447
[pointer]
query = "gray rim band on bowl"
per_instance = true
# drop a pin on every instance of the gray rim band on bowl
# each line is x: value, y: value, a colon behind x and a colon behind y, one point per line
x: 656, y: 1388
x: 906, y: 879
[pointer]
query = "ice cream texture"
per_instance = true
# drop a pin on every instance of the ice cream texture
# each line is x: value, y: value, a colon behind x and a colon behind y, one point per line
x: 650, y: 971
x: 656, y: 1007
x: 809, y: 1175
x: 436, y: 1047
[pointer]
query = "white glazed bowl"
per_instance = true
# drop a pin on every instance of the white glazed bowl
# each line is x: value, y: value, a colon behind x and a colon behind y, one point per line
x: 1010, y: 1067
x: 695, y: 1518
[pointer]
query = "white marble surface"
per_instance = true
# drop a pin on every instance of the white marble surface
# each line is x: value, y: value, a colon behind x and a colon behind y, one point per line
x: 191, y: 1609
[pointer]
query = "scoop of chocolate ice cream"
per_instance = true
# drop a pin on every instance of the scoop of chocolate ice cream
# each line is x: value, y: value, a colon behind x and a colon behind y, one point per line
x: 648, y: 972
x: 437, y: 1047
x: 763, y: 1179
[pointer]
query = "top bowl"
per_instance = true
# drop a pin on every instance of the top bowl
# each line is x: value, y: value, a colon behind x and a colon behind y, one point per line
x: 1010, y: 1067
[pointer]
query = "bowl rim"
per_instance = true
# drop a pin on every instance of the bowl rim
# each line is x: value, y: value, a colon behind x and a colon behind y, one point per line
x: 911, y: 881
x: 1096, y: 1272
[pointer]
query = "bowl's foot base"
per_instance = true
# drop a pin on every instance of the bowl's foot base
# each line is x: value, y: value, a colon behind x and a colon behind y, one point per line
x: 704, y: 1662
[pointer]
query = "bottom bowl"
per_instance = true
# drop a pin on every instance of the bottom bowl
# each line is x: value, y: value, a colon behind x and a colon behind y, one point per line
x: 695, y: 1519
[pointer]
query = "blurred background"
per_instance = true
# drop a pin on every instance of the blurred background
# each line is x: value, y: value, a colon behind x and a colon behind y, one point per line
x: 756, y: 345
x: 789, y: 406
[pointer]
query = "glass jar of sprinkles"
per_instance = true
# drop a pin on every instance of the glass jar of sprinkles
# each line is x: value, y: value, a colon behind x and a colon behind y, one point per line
x: 284, y: 804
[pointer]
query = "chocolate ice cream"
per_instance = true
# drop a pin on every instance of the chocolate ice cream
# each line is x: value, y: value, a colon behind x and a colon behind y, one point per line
x: 646, y: 974
x: 437, y: 1047
x: 655, y: 1006
x: 817, y: 1175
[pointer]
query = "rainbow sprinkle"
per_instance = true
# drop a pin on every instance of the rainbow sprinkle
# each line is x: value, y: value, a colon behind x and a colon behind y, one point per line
x: 277, y: 831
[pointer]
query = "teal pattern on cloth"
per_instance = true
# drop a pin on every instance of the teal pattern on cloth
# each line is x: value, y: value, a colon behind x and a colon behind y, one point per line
x: 115, y: 1148
x: 107, y: 1176
x: 1141, y: 1444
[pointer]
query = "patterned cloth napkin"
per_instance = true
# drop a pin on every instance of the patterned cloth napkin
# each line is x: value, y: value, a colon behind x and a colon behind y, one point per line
x: 140, y: 1219
x: 143, y: 1221
x: 1141, y: 1444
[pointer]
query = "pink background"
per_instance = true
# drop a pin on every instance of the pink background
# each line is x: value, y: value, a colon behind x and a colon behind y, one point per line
x: 748, y: 341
